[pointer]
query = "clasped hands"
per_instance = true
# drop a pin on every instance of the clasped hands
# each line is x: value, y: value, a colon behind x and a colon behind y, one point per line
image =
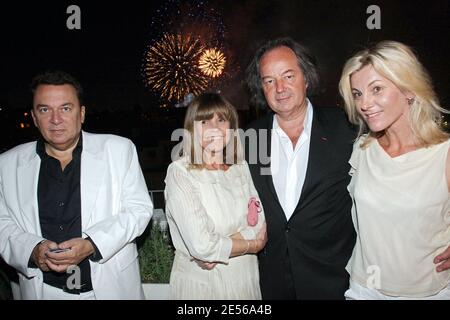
x: 254, y: 246
x: 60, y: 261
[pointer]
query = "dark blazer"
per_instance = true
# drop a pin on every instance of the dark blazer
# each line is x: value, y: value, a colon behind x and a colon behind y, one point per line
x: 305, y: 257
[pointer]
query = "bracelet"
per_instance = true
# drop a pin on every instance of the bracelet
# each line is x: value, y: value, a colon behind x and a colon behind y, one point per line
x: 248, y: 247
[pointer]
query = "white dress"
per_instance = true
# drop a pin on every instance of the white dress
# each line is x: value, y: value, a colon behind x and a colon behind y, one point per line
x: 401, y: 213
x: 204, y: 207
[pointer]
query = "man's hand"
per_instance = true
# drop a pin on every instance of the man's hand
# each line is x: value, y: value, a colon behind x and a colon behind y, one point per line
x: 260, y: 240
x: 79, y: 250
x: 256, y: 244
x: 262, y: 234
x: 38, y: 255
x: 444, y: 260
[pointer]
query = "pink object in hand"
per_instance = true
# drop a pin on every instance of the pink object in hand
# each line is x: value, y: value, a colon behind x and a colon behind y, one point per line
x: 254, y: 207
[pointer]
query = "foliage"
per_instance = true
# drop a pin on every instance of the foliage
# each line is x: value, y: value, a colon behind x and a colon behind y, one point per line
x: 155, y: 255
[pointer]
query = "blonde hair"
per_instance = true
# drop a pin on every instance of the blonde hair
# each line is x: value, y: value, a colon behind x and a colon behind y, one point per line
x: 204, y: 107
x: 397, y: 63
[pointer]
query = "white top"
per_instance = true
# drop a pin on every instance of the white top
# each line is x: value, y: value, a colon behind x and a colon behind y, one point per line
x: 204, y: 207
x: 288, y: 164
x: 401, y: 209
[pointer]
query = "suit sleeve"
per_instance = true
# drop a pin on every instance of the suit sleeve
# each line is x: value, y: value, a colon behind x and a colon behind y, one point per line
x: 112, y: 234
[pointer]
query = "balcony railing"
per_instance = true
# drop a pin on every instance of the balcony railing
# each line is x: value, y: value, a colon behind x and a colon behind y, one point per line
x: 159, y: 216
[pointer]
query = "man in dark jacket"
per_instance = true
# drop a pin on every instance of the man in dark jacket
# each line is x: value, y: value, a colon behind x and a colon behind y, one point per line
x: 303, y: 185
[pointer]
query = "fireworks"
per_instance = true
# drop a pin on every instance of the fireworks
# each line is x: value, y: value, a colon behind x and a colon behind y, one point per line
x: 212, y: 62
x: 191, y: 56
x: 199, y: 17
x: 171, y: 68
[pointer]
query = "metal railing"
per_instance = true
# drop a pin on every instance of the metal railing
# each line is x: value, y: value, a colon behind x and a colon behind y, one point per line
x: 159, y: 216
x: 152, y: 194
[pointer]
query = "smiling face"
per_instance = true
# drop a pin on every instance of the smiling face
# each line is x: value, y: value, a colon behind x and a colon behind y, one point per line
x: 379, y: 102
x: 58, y: 115
x: 283, y: 81
x: 213, y: 134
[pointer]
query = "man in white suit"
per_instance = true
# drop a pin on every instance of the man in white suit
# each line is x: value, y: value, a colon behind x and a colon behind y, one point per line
x: 72, y: 203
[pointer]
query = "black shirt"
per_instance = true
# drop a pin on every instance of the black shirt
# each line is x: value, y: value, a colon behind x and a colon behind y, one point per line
x: 59, y: 201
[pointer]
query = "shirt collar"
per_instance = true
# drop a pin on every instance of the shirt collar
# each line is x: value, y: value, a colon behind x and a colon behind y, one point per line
x: 76, y: 153
x: 307, y: 123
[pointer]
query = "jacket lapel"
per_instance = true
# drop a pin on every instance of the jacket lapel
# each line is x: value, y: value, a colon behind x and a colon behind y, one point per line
x: 93, y: 169
x: 265, y: 172
x: 317, y: 160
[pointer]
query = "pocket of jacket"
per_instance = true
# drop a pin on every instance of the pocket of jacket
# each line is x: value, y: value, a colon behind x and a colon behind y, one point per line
x: 126, y: 256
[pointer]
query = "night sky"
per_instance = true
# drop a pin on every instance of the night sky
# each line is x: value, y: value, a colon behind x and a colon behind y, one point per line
x: 106, y: 54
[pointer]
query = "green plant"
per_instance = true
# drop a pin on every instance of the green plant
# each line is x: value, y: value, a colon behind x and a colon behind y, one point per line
x: 155, y: 255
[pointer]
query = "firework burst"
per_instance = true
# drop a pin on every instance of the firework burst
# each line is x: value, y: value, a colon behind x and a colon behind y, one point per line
x: 170, y: 67
x: 212, y: 62
x: 176, y: 61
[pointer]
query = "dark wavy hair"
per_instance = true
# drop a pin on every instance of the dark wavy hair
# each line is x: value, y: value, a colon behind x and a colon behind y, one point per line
x: 57, y: 78
x: 306, y: 62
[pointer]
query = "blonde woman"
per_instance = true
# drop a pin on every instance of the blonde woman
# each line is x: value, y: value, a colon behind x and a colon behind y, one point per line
x: 215, y: 218
x: 400, y: 177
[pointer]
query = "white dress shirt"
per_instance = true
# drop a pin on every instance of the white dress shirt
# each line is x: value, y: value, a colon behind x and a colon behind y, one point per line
x: 288, y: 164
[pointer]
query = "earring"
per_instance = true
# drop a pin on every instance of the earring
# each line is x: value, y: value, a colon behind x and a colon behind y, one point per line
x: 410, y: 100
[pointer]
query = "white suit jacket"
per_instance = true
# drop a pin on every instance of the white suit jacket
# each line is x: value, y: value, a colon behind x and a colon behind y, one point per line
x: 115, y: 209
